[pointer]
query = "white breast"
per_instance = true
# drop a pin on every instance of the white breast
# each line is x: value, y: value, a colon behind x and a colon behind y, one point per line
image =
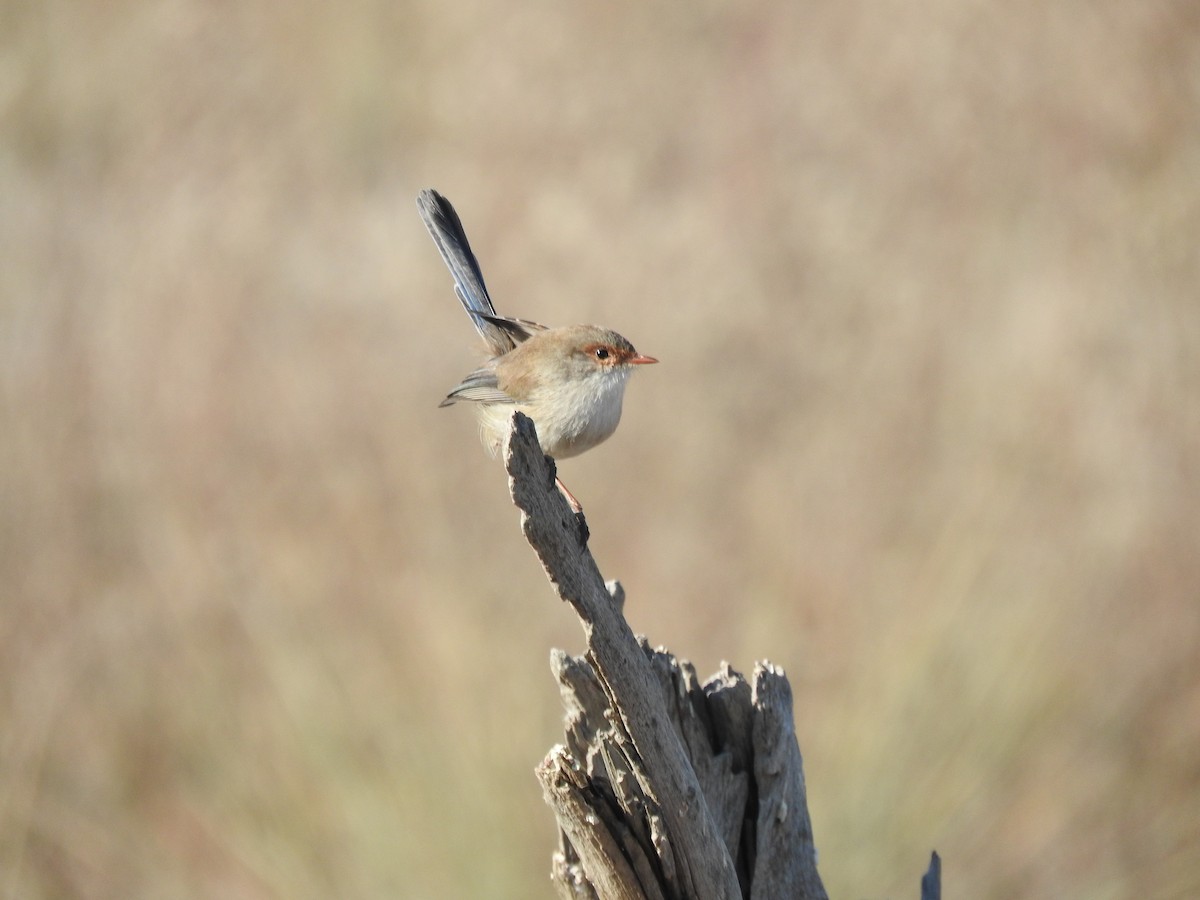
x: 569, y: 421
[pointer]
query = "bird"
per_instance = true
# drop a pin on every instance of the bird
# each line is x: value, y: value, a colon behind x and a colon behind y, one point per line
x: 569, y: 380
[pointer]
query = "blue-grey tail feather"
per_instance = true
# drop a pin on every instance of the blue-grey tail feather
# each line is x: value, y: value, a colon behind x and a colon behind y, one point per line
x: 447, y: 231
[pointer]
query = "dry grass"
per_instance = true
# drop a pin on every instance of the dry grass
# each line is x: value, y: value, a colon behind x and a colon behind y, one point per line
x: 923, y: 278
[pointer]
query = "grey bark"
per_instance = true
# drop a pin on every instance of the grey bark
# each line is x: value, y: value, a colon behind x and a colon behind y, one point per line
x: 664, y: 787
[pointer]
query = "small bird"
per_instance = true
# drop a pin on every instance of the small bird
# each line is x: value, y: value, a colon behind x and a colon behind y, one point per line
x: 570, y: 381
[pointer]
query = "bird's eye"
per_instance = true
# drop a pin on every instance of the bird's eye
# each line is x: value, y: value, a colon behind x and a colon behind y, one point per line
x: 601, y: 353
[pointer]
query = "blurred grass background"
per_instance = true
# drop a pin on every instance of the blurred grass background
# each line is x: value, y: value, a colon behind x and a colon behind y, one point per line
x: 923, y: 278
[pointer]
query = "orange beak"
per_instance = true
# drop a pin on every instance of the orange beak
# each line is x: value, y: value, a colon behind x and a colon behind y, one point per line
x: 641, y: 360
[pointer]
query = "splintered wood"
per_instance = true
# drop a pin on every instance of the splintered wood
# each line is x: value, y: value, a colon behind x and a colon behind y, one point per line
x: 664, y: 787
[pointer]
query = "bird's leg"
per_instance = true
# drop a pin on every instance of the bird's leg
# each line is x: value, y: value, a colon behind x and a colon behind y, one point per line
x: 577, y: 508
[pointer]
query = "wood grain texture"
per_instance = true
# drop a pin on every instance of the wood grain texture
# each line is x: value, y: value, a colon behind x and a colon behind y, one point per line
x: 664, y: 787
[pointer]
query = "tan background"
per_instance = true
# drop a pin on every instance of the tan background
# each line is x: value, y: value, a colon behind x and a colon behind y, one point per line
x: 923, y: 278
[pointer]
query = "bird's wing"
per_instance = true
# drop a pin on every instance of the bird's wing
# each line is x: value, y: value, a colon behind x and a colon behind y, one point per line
x: 480, y: 386
x: 447, y: 231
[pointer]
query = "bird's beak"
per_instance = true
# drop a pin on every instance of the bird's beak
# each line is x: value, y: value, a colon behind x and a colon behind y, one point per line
x: 641, y: 360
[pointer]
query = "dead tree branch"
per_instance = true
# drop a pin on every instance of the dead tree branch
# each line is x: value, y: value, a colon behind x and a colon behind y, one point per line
x: 665, y: 787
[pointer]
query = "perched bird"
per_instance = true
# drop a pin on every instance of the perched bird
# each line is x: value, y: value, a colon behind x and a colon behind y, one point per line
x: 570, y: 381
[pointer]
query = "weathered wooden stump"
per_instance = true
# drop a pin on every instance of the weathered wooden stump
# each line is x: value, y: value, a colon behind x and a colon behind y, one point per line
x: 664, y: 787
